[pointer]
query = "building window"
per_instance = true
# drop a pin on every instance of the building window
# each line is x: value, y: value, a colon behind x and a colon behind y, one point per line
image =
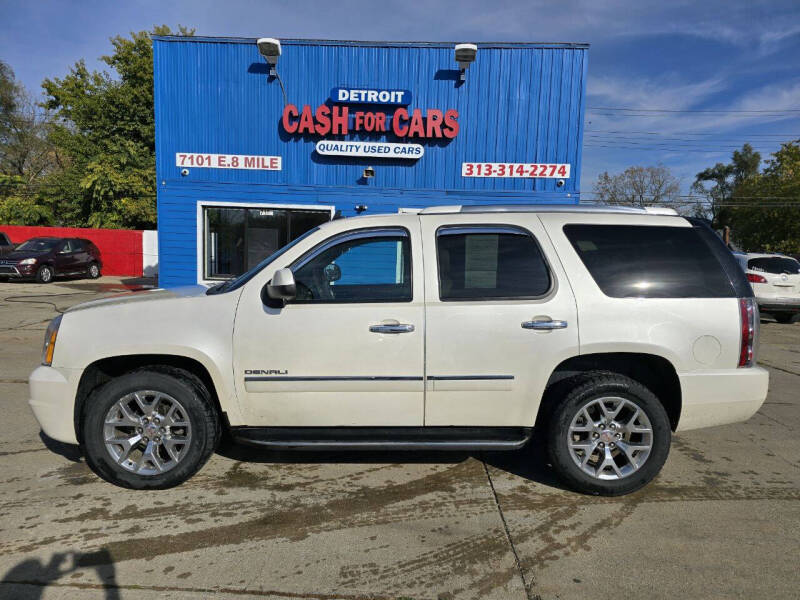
x: 236, y: 239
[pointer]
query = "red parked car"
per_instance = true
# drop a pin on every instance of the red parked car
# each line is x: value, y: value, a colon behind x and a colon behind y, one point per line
x: 44, y: 258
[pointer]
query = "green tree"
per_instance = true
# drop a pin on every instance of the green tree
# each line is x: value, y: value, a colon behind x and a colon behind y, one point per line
x: 18, y: 206
x: 718, y: 183
x: 638, y: 186
x: 26, y: 156
x: 105, y: 129
x: 765, y: 215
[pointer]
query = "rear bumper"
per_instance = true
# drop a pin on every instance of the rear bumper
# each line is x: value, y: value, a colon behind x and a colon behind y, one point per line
x: 720, y: 397
x: 52, y: 400
x: 772, y: 305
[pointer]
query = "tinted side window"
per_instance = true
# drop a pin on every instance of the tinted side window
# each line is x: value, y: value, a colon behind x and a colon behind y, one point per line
x: 78, y: 246
x: 650, y: 261
x: 482, y: 263
x: 373, y: 267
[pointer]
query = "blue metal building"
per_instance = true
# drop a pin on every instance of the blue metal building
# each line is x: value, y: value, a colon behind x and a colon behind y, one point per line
x: 247, y: 161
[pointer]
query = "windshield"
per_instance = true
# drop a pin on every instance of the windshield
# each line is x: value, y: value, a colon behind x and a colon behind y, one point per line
x: 775, y: 265
x: 239, y: 281
x: 39, y: 245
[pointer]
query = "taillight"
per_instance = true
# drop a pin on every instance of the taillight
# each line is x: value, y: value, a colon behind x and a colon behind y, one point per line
x: 748, y: 312
x: 753, y: 278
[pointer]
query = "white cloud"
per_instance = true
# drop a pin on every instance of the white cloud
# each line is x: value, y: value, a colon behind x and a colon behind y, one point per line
x: 647, y: 93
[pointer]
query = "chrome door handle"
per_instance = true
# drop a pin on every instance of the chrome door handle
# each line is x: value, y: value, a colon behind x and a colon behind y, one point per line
x: 544, y: 325
x: 393, y: 328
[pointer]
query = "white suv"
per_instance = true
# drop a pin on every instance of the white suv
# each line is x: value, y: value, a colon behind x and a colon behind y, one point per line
x: 776, y: 283
x: 598, y: 330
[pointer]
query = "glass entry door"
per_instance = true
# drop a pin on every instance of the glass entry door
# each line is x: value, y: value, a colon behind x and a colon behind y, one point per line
x: 236, y: 238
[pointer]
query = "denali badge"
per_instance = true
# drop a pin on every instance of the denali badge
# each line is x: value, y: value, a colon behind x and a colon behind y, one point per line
x: 265, y: 372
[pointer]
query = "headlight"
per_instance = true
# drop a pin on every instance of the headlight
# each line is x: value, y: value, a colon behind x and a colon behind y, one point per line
x: 28, y: 261
x: 50, y: 341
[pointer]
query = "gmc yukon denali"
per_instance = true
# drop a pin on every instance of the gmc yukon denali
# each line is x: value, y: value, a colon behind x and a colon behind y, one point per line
x: 598, y: 330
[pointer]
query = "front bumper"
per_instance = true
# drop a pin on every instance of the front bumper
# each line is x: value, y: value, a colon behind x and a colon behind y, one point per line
x: 10, y: 269
x: 53, y: 401
x: 720, y: 397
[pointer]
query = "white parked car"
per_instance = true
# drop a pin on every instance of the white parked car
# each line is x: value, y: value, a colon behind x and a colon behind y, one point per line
x: 467, y: 328
x: 775, y: 279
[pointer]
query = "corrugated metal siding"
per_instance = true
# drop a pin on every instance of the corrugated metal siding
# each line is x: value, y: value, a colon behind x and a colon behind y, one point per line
x: 520, y: 103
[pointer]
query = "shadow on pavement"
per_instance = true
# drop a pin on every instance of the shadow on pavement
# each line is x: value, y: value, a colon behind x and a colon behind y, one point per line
x: 253, y: 454
x: 528, y: 463
x: 71, y: 452
x: 32, y: 576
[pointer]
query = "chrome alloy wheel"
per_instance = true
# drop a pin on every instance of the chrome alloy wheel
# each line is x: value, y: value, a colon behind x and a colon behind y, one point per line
x: 610, y: 438
x: 147, y: 432
x: 94, y: 271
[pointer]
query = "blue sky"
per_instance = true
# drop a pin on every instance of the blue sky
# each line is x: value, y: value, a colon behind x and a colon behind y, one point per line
x: 711, y: 55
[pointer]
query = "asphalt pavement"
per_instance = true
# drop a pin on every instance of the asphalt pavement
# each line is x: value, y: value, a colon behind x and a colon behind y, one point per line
x: 721, y: 521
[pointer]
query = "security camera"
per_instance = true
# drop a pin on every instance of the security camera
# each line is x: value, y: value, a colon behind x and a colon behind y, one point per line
x: 369, y: 172
x: 184, y: 172
x: 270, y: 49
x: 465, y: 54
x: 560, y: 183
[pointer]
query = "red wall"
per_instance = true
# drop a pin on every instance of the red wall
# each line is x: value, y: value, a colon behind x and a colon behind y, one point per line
x: 120, y: 249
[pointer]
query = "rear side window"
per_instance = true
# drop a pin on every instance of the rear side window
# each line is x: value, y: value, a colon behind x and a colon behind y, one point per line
x: 629, y: 261
x: 775, y: 265
x: 483, y: 263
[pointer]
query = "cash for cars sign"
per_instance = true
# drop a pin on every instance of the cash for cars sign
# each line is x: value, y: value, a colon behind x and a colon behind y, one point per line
x: 340, y: 118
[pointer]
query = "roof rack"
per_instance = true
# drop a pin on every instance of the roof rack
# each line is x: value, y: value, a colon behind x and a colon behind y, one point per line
x: 560, y: 208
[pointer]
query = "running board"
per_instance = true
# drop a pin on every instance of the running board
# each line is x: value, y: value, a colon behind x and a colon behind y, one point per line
x: 384, y: 438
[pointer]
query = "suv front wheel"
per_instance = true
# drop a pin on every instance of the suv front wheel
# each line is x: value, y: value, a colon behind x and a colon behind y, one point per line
x: 150, y: 429
x: 609, y: 435
x: 44, y: 274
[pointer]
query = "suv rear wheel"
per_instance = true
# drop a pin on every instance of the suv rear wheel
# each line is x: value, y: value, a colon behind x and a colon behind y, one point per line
x: 150, y: 429
x: 609, y: 435
x: 93, y: 271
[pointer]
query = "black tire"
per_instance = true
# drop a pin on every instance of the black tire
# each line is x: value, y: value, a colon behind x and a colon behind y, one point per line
x: 93, y: 270
x: 784, y: 318
x: 581, y: 391
x: 181, y: 385
x: 45, y: 274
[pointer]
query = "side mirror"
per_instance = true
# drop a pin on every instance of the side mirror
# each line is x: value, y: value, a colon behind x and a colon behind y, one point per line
x: 282, y: 286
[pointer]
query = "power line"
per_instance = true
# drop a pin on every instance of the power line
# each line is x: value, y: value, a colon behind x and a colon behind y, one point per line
x: 672, y: 110
x: 675, y: 143
x: 747, y: 135
x: 666, y: 138
x: 661, y: 115
x: 660, y: 149
x: 698, y: 198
